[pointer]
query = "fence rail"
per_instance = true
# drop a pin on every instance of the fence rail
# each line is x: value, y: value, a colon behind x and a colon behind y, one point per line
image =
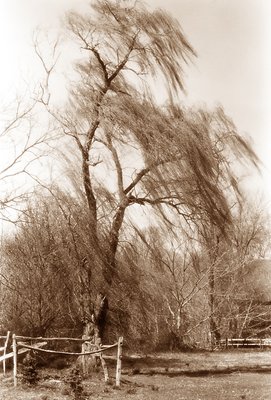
x: 52, y: 339
x: 245, y: 342
x: 66, y: 353
x: 4, y: 349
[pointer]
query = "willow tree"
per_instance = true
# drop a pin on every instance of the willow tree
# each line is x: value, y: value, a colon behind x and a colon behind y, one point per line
x: 134, y: 152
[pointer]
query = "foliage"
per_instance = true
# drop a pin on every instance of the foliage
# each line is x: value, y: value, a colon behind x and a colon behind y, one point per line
x: 183, y: 156
x: 233, y: 297
x: 29, y: 369
x: 37, y: 286
x: 74, y: 380
x: 160, y: 295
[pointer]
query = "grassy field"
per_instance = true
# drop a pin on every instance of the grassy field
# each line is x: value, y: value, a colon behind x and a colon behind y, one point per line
x: 199, y: 362
x: 179, y: 376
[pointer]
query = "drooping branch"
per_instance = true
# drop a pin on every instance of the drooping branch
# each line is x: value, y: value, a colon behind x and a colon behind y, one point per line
x: 122, y: 64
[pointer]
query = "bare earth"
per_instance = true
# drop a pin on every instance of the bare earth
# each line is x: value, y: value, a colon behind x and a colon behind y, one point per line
x: 178, y: 376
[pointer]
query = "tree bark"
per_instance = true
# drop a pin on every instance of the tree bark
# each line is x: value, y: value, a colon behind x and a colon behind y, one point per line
x: 214, y: 331
x: 92, y: 206
x: 94, y: 325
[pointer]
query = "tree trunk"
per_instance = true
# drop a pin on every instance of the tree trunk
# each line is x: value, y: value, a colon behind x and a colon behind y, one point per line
x: 94, y: 325
x: 92, y: 206
x: 214, y: 331
x: 94, y: 312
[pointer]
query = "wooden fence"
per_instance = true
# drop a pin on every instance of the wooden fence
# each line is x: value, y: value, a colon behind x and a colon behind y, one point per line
x: 20, y: 346
x: 249, y: 342
x: 4, y: 350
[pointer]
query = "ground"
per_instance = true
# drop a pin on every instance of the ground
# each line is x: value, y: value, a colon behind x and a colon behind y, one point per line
x: 180, y: 376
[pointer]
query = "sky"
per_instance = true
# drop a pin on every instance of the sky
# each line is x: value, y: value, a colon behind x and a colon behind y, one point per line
x: 232, y: 40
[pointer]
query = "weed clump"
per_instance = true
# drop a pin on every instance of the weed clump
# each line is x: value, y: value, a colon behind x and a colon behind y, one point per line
x: 29, y: 369
x: 74, y: 380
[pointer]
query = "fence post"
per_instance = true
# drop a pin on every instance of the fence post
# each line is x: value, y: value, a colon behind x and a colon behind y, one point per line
x: 14, y: 345
x: 119, y: 355
x: 84, y: 361
x: 5, y: 350
x: 104, y: 366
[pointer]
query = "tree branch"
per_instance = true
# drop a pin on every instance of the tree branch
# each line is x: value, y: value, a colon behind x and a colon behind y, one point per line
x: 145, y: 171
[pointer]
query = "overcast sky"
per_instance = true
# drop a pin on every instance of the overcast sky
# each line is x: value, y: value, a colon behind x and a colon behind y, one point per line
x: 233, y: 68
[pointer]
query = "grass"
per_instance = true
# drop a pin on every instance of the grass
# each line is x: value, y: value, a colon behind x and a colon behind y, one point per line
x: 247, y: 386
x: 199, y: 363
x: 174, y: 376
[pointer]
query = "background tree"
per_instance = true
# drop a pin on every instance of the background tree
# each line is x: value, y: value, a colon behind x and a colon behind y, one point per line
x: 24, y: 142
x: 36, y: 280
x: 249, y: 240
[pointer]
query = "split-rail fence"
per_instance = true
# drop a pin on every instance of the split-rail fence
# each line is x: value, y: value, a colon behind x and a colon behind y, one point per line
x: 20, y: 345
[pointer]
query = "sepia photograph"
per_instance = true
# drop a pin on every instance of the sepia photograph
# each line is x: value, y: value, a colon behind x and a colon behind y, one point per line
x: 135, y: 200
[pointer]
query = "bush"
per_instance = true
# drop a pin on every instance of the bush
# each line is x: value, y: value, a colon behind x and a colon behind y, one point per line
x: 29, y: 369
x: 74, y: 380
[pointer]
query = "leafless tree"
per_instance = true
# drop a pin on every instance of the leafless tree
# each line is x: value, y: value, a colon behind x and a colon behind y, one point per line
x: 36, y: 282
x: 25, y: 143
x: 133, y: 152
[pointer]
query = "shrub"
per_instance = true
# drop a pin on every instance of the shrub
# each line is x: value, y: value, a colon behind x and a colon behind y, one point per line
x: 29, y: 369
x: 74, y: 380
